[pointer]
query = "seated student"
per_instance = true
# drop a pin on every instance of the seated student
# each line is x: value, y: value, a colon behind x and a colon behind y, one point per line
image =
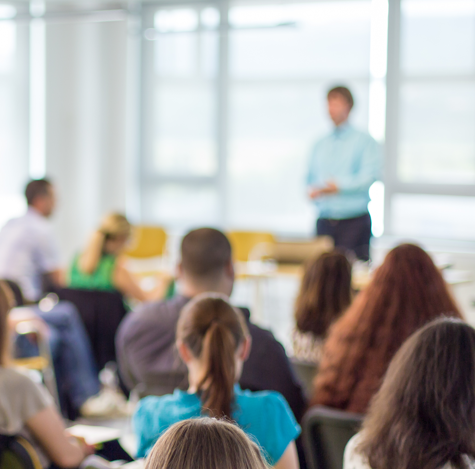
x: 145, y: 339
x: 407, y: 291
x: 205, y: 443
x: 213, y: 341
x: 424, y: 414
x: 28, y: 254
x: 73, y: 361
x: 27, y: 409
x: 99, y: 266
x: 325, y: 293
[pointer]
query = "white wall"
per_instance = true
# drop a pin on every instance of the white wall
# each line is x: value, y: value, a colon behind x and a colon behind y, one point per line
x: 85, y: 125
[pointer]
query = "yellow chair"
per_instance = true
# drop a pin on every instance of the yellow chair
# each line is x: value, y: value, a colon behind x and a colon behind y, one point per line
x: 244, y: 243
x: 147, y: 242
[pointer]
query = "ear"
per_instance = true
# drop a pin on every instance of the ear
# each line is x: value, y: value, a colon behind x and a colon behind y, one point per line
x: 229, y: 269
x: 184, y: 352
x: 245, y: 348
x: 179, y: 271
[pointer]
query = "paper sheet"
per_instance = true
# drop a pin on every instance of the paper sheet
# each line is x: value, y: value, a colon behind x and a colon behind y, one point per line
x: 95, y: 435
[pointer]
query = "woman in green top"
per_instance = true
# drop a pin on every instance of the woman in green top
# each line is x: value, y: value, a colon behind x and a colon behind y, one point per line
x: 99, y: 266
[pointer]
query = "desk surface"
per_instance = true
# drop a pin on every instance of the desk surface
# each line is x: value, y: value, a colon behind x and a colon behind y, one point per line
x: 361, y: 278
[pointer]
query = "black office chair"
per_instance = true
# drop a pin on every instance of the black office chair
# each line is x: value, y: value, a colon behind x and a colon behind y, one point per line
x: 325, y: 434
x: 17, y: 453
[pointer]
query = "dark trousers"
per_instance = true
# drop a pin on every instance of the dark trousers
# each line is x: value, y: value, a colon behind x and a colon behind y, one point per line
x: 352, y: 234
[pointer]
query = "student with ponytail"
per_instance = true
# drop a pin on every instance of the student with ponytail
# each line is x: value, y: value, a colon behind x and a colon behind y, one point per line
x: 213, y: 341
x: 99, y: 266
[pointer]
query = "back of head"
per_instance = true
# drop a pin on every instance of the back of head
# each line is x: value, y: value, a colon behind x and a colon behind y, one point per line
x: 424, y: 414
x: 213, y: 330
x: 205, y: 252
x: 113, y: 226
x: 324, y: 294
x: 406, y: 292
x: 36, y: 188
x: 205, y: 444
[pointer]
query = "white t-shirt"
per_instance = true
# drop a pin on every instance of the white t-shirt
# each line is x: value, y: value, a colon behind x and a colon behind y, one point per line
x: 20, y: 400
x: 28, y: 249
x: 354, y: 460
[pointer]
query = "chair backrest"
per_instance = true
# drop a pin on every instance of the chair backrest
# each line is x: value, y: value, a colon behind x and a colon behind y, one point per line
x: 325, y: 434
x: 298, y: 252
x: 305, y: 372
x: 101, y: 313
x: 147, y: 241
x: 244, y: 242
x: 17, y: 453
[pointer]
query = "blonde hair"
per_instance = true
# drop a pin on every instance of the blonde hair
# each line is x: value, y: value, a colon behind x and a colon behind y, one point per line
x: 205, y: 443
x: 6, y: 304
x: 113, y: 226
x: 213, y: 330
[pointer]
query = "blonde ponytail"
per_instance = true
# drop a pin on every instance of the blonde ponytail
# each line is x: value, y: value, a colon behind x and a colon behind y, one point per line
x: 112, y: 226
x: 91, y: 256
x: 213, y: 331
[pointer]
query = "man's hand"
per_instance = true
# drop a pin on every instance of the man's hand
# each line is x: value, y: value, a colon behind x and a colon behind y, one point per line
x: 314, y: 193
x: 330, y: 188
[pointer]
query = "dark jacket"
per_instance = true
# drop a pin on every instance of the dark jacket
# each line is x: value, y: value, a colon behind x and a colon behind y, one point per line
x: 146, y: 353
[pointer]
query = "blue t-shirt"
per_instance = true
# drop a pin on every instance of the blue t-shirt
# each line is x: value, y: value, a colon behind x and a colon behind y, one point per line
x: 264, y: 415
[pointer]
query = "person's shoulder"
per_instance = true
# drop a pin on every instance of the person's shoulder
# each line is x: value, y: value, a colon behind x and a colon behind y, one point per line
x: 18, y: 381
x: 155, y: 312
x: 17, y: 378
x: 352, y: 459
x: 262, y: 401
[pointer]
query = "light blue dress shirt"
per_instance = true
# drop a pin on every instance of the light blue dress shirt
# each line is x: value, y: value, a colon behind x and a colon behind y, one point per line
x: 28, y: 249
x: 353, y: 160
x: 265, y: 416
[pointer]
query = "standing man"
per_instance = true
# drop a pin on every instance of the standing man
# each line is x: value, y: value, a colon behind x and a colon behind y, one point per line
x: 343, y: 165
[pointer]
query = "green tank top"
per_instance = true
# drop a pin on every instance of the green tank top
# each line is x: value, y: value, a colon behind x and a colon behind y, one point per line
x: 100, y: 279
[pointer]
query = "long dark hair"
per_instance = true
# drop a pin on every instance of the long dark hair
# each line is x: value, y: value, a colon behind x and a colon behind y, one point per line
x: 424, y: 414
x: 325, y: 293
x: 213, y: 330
x: 406, y: 292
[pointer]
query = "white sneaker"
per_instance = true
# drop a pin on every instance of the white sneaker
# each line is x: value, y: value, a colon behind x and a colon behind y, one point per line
x: 109, y: 403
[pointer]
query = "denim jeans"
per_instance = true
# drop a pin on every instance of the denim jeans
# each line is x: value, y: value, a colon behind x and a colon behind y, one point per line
x: 75, y: 369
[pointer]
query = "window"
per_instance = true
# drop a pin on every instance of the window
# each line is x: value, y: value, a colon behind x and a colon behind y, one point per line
x: 431, y: 155
x: 235, y: 102
x: 13, y: 113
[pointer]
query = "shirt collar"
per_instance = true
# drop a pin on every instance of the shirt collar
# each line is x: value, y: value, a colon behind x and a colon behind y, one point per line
x: 245, y: 311
x: 342, y: 129
x: 32, y: 211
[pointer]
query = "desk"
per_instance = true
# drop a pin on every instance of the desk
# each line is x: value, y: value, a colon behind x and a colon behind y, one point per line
x: 262, y: 271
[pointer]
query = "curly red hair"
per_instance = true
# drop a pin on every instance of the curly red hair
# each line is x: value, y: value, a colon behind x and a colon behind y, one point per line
x: 407, y: 291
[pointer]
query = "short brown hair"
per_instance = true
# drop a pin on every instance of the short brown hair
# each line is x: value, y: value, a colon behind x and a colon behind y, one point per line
x: 325, y: 293
x: 424, y: 414
x: 205, y: 252
x: 342, y: 91
x: 205, y: 443
x: 213, y: 330
x: 36, y: 188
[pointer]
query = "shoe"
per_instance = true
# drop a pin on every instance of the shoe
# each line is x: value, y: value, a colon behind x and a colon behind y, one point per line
x: 109, y: 403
